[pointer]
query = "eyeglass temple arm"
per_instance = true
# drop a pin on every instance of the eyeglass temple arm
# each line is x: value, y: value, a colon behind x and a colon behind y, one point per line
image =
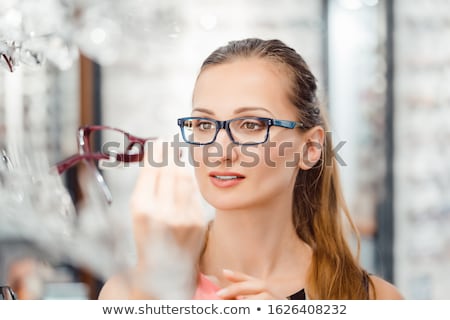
x: 82, y: 145
x: 69, y: 162
x: 289, y: 124
x: 8, y: 62
x: 101, y: 181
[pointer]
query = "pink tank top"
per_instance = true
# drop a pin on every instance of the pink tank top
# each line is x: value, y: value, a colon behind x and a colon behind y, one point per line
x: 206, y: 289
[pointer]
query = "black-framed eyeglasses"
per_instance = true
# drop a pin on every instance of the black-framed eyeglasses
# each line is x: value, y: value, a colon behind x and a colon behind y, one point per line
x: 242, y: 131
x: 116, y: 145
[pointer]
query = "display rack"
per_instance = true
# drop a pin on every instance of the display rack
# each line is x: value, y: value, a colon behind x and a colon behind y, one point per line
x: 422, y: 148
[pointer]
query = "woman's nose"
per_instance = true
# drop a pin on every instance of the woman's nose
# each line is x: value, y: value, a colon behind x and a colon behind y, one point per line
x: 223, y: 149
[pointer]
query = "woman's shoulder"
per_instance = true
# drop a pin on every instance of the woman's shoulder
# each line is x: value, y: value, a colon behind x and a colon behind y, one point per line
x: 383, y: 289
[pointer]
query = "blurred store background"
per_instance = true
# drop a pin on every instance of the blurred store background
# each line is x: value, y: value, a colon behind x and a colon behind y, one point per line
x: 383, y: 69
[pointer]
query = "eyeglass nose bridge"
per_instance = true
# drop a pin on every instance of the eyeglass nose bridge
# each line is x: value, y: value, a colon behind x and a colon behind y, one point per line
x: 226, y: 126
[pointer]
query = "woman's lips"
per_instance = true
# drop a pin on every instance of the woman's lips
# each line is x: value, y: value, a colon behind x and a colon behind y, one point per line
x: 225, y: 179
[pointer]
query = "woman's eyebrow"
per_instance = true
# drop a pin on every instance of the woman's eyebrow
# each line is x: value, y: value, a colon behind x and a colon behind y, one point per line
x: 203, y: 110
x: 244, y: 109
x: 238, y: 110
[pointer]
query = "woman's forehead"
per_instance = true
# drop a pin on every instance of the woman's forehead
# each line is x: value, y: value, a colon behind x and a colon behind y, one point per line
x: 244, y: 82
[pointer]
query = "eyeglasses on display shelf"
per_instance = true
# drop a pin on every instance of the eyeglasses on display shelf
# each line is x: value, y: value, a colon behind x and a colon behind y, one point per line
x: 7, y: 62
x: 33, y: 196
x: 36, y: 218
x: 6, y: 293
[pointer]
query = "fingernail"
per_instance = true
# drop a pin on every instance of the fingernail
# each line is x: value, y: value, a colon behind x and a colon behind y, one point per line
x: 228, y: 272
x: 221, y: 292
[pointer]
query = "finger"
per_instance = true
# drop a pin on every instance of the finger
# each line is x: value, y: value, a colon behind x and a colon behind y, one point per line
x: 260, y: 296
x: 167, y: 184
x: 184, y: 191
x: 188, y: 197
x: 142, y: 202
x: 235, y: 276
x: 145, y: 189
x: 244, y: 288
x: 157, y: 164
x: 241, y: 289
x: 175, y: 189
x: 181, y: 190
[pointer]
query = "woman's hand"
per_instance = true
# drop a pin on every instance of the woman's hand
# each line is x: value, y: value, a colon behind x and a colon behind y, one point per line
x: 244, y: 286
x: 169, y: 224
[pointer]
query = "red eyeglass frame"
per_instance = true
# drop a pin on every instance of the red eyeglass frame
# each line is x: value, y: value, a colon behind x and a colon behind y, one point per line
x: 85, y: 154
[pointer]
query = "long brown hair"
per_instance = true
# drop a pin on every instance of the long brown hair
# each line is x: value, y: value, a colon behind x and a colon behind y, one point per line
x: 318, y: 205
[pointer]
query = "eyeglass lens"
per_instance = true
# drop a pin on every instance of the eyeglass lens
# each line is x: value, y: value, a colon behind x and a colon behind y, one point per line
x: 110, y: 141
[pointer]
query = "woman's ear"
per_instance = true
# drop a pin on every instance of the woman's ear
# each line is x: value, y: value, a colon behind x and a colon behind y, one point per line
x: 312, y: 147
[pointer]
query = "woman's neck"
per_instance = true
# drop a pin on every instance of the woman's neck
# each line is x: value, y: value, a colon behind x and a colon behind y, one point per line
x: 261, y: 243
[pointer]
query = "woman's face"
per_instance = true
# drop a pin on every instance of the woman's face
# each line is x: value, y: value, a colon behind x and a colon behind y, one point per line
x: 232, y: 176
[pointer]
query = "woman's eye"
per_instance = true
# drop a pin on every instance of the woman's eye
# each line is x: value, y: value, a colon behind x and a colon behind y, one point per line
x: 252, y: 125
x: 205, y: 125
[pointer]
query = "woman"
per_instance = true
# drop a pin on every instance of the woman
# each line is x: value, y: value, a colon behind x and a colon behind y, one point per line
x: 272, y: 178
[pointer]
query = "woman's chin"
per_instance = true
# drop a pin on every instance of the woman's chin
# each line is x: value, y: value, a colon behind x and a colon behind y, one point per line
x: 225, y: 204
